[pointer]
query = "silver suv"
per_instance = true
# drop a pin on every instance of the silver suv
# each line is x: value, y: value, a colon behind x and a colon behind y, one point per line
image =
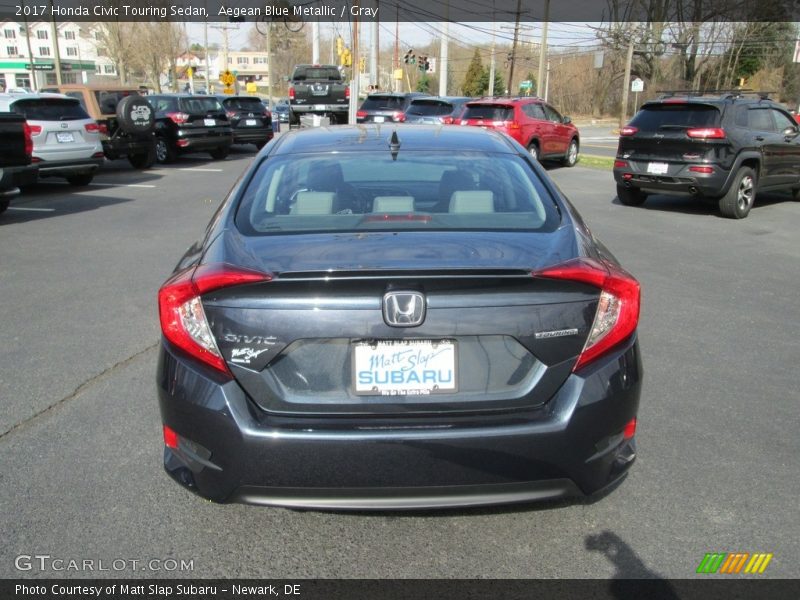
x: 66, y: 141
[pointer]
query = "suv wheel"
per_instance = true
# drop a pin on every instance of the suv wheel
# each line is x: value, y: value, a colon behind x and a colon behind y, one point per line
x: 164, y: 151
x: 143, y: 161
x: 738, y: 201
x: 4, y: 205
x: 81, y: 179
x: 796, y: 194
x: 571, y: 158
x: 533, y: 150
x: 631, y: 196
x: 220, y: 153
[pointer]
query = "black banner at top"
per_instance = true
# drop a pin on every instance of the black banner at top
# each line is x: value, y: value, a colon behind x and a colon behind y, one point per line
x: 302, y: 11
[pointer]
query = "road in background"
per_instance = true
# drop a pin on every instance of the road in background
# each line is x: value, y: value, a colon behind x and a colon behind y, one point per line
x: 81, y: 453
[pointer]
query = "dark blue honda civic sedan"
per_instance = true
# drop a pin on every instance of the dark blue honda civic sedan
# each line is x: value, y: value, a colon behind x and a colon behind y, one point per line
x: 390, y: 317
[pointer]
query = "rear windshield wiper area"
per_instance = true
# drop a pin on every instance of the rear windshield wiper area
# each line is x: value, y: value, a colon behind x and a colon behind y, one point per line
x: 673, y: 127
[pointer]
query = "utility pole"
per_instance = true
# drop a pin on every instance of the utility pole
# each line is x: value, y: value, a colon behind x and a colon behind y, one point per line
x: 543, y: 51
x: 626, y: 85
x: 56, y: 51
x: 493, y: 60
x: 443, y: 52
x: 315, y: 42
x: 205, y: 46
x: 396, y: 50
x: 514, y: 49
x: 354, y: 62
x: 34, y: 87
x: 373, y: 52
x: 269, y: 64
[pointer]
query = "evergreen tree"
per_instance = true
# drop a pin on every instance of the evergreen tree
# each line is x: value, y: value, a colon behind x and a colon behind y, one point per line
x: 472, y: 80
x: 424, y: 83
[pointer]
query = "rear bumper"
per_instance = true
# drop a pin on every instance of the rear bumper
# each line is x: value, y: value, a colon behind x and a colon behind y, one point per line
x: 64, y: 168
x: 252, y: 135
x: 194, y: 142
x: 126, y: 146
x: 320, y: 108
x: 681, y: 183
x: 231, y: 451
x: 12, y: 177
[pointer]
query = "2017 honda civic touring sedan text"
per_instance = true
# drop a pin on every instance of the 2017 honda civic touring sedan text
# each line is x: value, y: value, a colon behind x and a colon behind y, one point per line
x: 397, y: 318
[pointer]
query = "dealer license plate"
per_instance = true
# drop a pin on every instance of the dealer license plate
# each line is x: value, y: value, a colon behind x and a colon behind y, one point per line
x: 64, y: 137
x: 250, y: 122
x: 404, y: 367
x: 209, y: 122
x: 378, y: 119
x: 657, y: 168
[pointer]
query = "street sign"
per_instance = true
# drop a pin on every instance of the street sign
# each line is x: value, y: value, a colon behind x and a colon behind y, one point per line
x: 227, y: 90
x: 227, y: 78
x: 37, y: 67
x: 526, y: 85
x: 637, y: 85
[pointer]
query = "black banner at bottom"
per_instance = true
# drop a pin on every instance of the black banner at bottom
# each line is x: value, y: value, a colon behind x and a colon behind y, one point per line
x: 400, y: 589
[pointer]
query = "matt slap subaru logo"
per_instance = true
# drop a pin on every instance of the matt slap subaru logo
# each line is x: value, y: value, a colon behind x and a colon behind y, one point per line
x: 403, y: 309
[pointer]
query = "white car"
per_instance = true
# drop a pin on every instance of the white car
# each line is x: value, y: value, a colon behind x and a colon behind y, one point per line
x: 66, y: 141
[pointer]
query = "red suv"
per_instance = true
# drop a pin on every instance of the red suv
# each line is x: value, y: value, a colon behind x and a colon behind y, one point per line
x: 532, y: 122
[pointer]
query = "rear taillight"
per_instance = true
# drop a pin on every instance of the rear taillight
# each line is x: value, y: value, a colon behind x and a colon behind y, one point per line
x: 35, y: 129
x: 706, y: 133
x: 92, y: 128
x: 27, y: 130
x: 103, y: 128
x: 291, y: 93
x: 630, y: 429
x: 699, y: 169
x: 170, y: 438
x: 628, y: 131
x: 398, y: 117
x: 620, y: 164
x: 347, y: 93
x: 179, y: 118
x: 360, y: 114
x: 447, y: 120
x: 183, y: 320
x: 267, y: 114
x: 230, y: 114
x: 617, y: 310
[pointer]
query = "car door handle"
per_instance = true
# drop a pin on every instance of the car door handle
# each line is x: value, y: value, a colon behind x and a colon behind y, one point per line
x: 759, y: 138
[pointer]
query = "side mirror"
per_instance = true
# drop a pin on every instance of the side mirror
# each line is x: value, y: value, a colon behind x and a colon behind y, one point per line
x: 791, y: 131
x: 566, y: 120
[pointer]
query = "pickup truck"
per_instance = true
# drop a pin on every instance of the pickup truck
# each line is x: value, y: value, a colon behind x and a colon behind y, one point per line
x: 318, y: 90
x: 16, y: 147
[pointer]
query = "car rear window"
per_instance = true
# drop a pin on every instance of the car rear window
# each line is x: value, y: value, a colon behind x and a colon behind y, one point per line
x: 665, y: 116
x: 107, y: 101
x: 199, y: 105
x: 492, y: 112
x: 50, y: 109
x: 247, y: 104
x: 430, y: 108
x: 383, y: 103
x: 419, y: 190
x: 330, y: 73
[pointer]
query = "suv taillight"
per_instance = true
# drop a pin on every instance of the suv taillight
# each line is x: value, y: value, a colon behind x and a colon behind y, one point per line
x: 628, y: 131
x: 92, y: 128
x: 706, y: 133
x: 27, y: 132
x: 347, y: 93
x: 291, y: 93
x: 617, y: 312
x: 35, y: 129
x: 179, y: 118
x: 447, y: 120
x: 230, y: 114
x: 180, y: 310
x: 360, y: 114
x: 398, y: 117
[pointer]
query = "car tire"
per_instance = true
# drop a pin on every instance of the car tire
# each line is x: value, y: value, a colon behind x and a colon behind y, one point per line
x: 135, y: 115
x: 571, y: 157
x: 165, y: 153
x: 4, y: 205
x: 796, y: 194
x: 80, y: 180
x: 260, y: 145
x: 220, y: 153
x: 630, y: 196
x: 533, y: 150
x: 739, y: 199
x: 294, y: 119
x: 143, y: 161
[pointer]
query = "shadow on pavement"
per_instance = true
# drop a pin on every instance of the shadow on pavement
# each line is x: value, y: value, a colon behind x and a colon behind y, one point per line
x: 23, y: 211
x: 693, y: 206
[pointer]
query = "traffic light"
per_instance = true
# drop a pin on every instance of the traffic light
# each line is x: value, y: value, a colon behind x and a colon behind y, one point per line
x: 423, y: 61
x: 409, y: 58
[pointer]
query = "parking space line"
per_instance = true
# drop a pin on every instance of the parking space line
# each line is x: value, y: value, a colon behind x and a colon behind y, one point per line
x: 200, y: 169
x: 136, y: 185
x: 31, y: 209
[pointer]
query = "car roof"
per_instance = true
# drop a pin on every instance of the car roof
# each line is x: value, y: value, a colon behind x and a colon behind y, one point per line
x: 376, y: 137
x: 96, y: 87
x: 227, y: 97
x: 34, y: 96
x: 508, y: 100
x: 398, y: 95
x: 443, y: 98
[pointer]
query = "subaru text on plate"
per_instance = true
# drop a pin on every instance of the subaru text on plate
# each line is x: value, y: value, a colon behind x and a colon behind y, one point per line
x: 397, y: 317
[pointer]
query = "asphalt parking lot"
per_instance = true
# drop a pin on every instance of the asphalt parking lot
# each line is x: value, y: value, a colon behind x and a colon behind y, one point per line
x: 80, y: 437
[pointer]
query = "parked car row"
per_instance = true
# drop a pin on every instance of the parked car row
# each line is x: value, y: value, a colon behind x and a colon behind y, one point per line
x: 73, y: 129
x: 530, y: 121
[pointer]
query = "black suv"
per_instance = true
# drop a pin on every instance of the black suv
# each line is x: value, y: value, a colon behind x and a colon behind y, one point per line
x: 189, y: 123
x: 250, y: 120
x: 721, y: 148
x: 386, y: 107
